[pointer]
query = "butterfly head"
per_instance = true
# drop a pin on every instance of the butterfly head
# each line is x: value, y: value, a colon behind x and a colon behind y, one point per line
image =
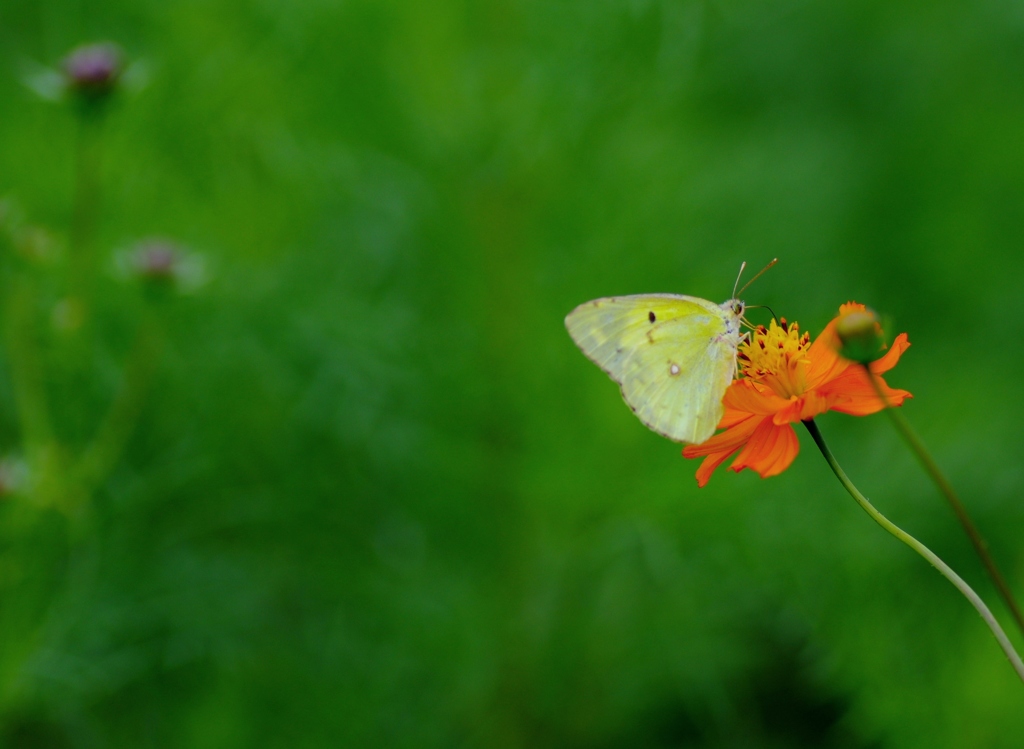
x: 733, y: 310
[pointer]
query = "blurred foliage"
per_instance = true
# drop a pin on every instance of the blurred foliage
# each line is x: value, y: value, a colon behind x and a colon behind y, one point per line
x: 366, y: 492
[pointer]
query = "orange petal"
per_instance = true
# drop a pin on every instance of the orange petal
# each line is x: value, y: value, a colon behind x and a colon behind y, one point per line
x: 745, y: 396
x: 887, y: 362
x: 852, y: 393
x: 769, y: 451
x: 845, y: 309
x: 720, y: 447
x: 732, y: 417
x: 786, y: 449
x: 807, y: 406
x: 825, y: 361
x: 708, y: 466
x: 730, y: 439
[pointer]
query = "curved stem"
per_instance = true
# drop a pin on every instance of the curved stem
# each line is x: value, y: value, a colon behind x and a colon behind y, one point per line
x: 920, y: 548
x: 113, y: 433
x: 932, y: 469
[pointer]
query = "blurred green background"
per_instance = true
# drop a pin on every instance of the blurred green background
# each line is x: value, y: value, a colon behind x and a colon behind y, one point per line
x: 374, y: 496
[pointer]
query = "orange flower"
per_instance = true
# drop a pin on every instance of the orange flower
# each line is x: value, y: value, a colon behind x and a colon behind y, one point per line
x: 786, y: 379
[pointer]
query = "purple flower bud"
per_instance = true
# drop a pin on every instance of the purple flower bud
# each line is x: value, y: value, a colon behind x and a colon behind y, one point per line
x: 156, y: 259
x: 93, y: 69
x: 162, y: 263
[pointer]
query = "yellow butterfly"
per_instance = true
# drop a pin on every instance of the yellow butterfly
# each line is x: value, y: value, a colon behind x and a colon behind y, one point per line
x: 673, y: 356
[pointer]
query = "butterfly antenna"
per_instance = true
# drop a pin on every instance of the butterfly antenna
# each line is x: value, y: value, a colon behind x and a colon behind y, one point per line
x: 759, y: 274
x: 762, y: 306
x: 742, y: 266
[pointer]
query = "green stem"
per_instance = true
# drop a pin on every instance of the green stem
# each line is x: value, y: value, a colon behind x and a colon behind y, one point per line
x: 37, y: 434
x: 932, y: 469
x: 920, y: 548
x: 85, y: 210
x: 113, y: 433
x: 26, y: 365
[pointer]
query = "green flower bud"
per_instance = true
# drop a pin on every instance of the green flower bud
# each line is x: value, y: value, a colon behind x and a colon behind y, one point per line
x: 860, y: 336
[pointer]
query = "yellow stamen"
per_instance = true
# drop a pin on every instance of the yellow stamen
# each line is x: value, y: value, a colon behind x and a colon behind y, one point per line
x: 776, y: 356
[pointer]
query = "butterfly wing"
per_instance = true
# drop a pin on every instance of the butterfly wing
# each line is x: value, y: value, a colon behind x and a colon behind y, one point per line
x: 673, y: 357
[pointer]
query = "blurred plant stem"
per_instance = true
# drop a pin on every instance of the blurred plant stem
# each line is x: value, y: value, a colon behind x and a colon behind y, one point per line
x: 932, y: 469
x: 100, y: 456
x: 81, y: 265
x: 920, y: 548
x: 60, y: 479
x: 38, y: 438
x: 64, y: 475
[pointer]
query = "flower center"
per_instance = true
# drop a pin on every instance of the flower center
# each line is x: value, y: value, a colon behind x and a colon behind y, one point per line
x: 776, y: 356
